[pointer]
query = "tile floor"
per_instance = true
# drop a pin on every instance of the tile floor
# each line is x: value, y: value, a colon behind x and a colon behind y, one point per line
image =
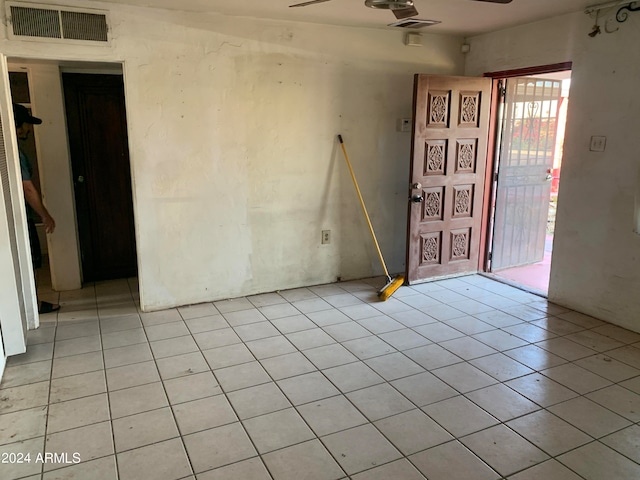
x: 458, y: 379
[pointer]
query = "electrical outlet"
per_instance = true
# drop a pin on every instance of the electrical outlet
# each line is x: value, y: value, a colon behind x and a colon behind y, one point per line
x: 598, y: 144
x: 326, y: 237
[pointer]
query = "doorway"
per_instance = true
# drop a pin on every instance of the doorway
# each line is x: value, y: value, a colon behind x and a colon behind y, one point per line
x: 532, y: 122
x: 65, y: 267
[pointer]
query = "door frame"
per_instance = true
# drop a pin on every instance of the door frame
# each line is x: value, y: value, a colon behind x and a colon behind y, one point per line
x: 20, y: 311
x: 17, y: 283
x: 493, y: 147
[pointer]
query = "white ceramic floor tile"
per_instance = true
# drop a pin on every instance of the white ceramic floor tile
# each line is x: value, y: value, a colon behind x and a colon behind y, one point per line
x: 101, y: 469
x: 22, y: 425
x: 424, y: 389
x: 549, y: 433
x: 404, y: 339
x: 504, y: 450
x: 181, y: 365
x: 626, y: 442
x: 227, y: 356
x: 413, y: 431
x: 360, y: 448
x: 218, y: 446
x: 296, y: 323
x: 438, y: 332
x: 77, y: 386
x: 464, y: 377
x: 460, y: 416
x: 144, y: 429
x: 258, y: 400
x: 241, y: 376
x: 368, y: 347
x: 132, y: 375
x: 400, y: 469
x: 432, y: 356
x: 137, y: 400
x: 206, y: 324
x: 191, y: 387
x: 270, y: 347
x: 353, y: 376
x: 307, y: 388
x: 535, y: 357
x: 78, y: 413
x: 197, y: 311
x: 379, y: 401
x: 204, y: 414
x: 502, y: 402
x: 576, y: 378
x: 551, y: 469
x: 305, y: 460
x: 331, y: 415
x: 608, y: 367
x: 330, y: 356
x: 244, y: 317
x: 252, y: 469
x: 589, y: 417
x: 394, y: 366
x: 452, y: 461
x: 19, y: 375
x: 596, y: 461
x: 277, y: 430
x: 288, y: 365
x: 501, y: 367
x: 619, y: 400
x: 541, y: 390
x: 162, y: 461
x: 256, y: 331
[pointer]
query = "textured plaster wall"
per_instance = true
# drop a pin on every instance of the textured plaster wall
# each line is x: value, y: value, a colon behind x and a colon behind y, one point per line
x: 236, y: 168
x: 596, y: 255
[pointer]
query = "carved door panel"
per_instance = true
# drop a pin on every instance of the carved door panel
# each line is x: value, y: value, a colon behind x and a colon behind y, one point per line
x: 524, y: 171
x: 449, y: 154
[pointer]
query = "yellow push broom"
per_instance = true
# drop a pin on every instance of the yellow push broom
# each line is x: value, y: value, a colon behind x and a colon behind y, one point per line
x: 392, y: 283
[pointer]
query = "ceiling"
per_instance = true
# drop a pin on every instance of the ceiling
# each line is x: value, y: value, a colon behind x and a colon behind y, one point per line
x: 463, y: 17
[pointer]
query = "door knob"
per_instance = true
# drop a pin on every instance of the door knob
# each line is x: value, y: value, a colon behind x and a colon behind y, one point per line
x: 80, y: 179
x: 416, y: 186
x: 417, y: 198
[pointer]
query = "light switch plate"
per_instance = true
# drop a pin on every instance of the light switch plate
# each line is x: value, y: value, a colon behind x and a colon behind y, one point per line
x: 598, y: 144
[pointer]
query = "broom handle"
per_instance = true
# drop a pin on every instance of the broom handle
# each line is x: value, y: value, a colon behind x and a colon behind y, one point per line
x: 364, y: 209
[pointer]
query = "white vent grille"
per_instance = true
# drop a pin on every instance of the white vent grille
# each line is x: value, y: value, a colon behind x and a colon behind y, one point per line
x: 84, y: 26
x: 414, y: 23
x: 30, y: 21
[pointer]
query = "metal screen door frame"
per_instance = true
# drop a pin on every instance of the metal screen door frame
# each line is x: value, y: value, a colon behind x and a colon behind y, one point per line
x: 528, y: 132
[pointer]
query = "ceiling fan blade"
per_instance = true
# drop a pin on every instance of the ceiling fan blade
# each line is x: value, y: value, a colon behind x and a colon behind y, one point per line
x: 405, y: 12
x: 495, y: 1
x: 312, y: 2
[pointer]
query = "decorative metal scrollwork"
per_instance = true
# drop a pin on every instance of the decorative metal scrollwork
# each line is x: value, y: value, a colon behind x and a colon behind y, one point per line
x: 623, y: 13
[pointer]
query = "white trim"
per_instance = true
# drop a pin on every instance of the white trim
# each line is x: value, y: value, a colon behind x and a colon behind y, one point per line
x: 15, y: 314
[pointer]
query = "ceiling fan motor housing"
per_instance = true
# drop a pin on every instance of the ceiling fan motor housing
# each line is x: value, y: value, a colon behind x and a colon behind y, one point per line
x: 389, y: 4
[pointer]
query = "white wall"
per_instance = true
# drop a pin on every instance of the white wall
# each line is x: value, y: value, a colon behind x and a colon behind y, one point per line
x: 236, y: 168
x: 596, y: 256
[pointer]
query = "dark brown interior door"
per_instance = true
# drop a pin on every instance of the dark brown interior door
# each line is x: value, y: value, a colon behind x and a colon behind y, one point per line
x: 97, y: 127
x: 449, y: 156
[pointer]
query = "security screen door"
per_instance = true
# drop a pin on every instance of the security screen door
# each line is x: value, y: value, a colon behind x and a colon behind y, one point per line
x: 529, y: 128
